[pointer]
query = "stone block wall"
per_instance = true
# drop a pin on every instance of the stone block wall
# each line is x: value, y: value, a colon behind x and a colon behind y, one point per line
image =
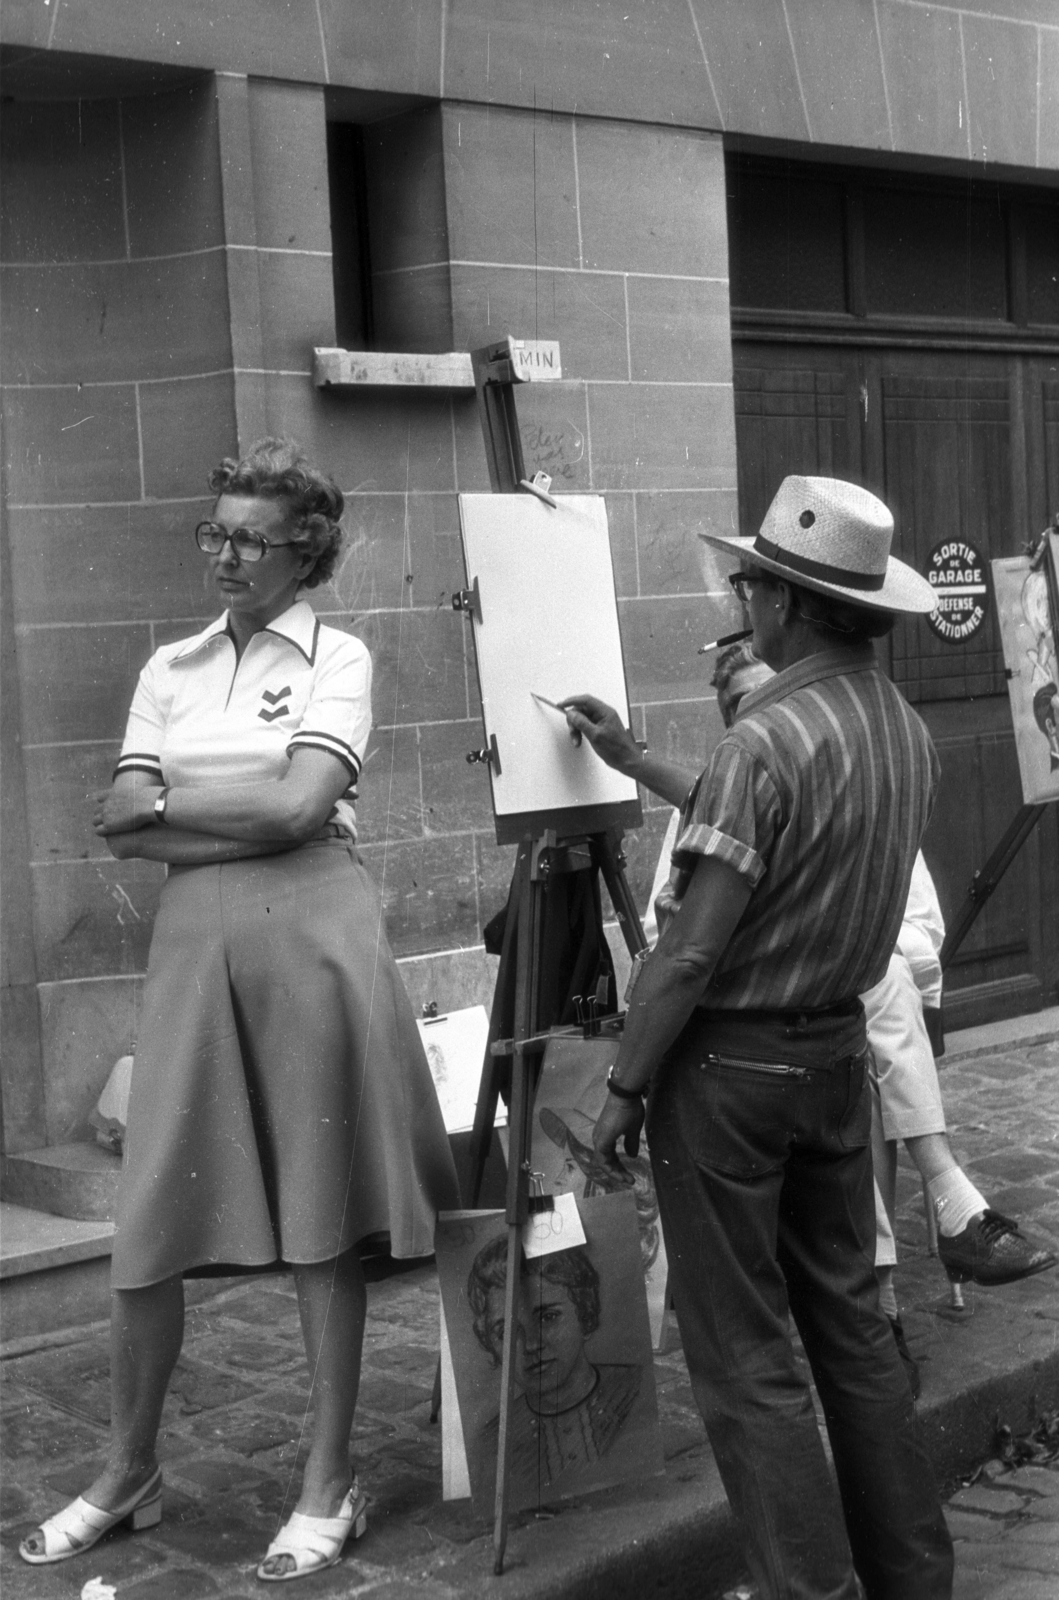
x: 167, y: 274
x: 541, y: 169
x: 117, y: 398
x: 624, y: 260
x: 970, y: 80
x: 621, y: 257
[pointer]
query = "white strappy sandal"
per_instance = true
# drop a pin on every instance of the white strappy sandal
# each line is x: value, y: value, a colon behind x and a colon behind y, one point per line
x: 314, y: 1543
x: 80, y: 1525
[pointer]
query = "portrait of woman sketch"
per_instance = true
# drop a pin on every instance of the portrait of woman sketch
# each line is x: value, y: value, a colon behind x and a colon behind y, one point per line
x: 584, y: 1413
x: 571, y: 1411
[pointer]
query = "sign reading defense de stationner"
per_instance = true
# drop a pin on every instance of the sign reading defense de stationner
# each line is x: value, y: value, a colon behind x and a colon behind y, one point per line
x: 957, y: 573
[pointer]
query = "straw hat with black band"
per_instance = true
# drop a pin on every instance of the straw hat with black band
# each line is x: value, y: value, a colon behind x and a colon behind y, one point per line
x: 833, y: 537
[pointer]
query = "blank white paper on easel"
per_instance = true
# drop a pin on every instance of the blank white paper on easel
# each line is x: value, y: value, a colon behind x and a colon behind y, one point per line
x: 549, y: 626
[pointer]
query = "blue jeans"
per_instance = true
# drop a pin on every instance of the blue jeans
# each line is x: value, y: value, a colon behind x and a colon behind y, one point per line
x: 759, y: 1127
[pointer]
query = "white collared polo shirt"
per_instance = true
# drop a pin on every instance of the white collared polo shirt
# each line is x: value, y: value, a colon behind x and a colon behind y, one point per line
x: 200, y: 717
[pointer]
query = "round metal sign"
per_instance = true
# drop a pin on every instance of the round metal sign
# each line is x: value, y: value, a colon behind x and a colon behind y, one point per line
x: 957, y: 574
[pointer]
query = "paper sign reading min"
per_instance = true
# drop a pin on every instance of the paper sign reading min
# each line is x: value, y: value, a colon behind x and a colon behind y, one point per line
x: 549, y: 1231
x: 536, y: 360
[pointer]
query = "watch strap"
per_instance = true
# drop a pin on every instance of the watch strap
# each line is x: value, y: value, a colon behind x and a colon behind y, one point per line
x: 622, y: 1093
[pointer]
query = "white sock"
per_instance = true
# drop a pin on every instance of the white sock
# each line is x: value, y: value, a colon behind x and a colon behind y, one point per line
x: 887, y: 1293
x: 955, y: 1200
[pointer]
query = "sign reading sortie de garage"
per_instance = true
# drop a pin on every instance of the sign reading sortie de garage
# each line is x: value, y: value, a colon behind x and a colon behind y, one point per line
x: 957, y: 573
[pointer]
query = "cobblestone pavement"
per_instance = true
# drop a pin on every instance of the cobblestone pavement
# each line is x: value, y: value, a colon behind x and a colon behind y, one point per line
x: 231, y: 1446
x: 1006, y: 1530
x: 231, y: 1453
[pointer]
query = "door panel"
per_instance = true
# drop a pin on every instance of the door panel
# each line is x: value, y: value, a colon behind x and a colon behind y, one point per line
x: 942, y: 437
x: 793, y: 407
x: 947, y: 437
x: 1048, y: 400
x: 946, y: 444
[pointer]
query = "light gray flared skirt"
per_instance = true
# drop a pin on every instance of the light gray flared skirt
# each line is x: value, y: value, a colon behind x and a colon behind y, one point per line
x: 282, y: 1108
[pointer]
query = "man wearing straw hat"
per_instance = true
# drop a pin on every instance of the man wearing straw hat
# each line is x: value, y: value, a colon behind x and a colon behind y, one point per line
x: 794, y: 857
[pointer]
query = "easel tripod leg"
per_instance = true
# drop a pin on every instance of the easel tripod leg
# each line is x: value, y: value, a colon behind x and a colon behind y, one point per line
x: 531, y: 898
x: 522, y: 1088
x: 611, y: 864
x: 987, y: 878
x: 507, y: 1395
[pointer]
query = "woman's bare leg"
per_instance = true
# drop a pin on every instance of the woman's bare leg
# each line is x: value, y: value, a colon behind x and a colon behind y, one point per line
x: 333, y: 1302
x: 146, y: 1333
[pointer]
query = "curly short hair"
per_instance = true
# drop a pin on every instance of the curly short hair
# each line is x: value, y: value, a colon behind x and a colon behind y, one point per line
x: 277, y: 469
x: 572, y: 1269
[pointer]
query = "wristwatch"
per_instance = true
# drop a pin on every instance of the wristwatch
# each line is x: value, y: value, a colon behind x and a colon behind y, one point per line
x: 623, y: 1094
x: 159, y: 806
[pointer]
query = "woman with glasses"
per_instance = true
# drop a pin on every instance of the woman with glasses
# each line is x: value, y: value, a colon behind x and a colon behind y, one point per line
x: 282, y: 1109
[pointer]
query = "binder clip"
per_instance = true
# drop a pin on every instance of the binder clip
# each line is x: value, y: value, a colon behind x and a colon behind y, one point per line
x: 591, y: 1011
x: 538, y: 1200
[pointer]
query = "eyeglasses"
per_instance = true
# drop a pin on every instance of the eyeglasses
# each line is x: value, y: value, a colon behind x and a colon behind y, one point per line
x: 247, y: 543
x: 740, y: 581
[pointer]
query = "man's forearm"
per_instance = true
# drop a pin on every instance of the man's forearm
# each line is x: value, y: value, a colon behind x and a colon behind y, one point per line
x: 667, y: 779
x: 613, y: 743
x: 676, y: 974
x: 665, y: 995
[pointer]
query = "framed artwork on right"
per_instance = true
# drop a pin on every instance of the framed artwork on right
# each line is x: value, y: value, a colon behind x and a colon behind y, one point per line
x: 1025, y: 592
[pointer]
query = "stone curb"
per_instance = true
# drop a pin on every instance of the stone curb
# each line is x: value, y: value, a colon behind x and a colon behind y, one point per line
x: 994, y: 1038
x: 697, y: 1545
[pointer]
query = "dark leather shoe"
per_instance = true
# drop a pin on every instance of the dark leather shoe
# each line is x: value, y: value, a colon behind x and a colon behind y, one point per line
x: 908, y: 1360
x: 992, y: 1249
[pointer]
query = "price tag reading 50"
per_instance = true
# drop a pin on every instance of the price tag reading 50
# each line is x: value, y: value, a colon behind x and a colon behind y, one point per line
x: 559, y: 1228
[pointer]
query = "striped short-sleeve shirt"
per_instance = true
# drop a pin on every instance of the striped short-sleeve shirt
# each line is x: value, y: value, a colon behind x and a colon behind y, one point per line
x: 818, y: 795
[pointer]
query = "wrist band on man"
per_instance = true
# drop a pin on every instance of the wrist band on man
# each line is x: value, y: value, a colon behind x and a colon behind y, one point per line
x: 623, y: 1094
x: 159, y: 806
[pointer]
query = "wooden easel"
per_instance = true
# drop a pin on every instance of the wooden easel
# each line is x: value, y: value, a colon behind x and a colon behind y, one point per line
x: 582, y: 842
x: 987, y: 877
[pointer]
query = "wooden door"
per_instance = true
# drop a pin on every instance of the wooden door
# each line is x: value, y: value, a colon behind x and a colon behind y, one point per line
x: 961, y: 447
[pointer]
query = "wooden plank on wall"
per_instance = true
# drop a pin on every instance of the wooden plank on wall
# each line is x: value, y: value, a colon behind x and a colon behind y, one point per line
x: 391, y: 368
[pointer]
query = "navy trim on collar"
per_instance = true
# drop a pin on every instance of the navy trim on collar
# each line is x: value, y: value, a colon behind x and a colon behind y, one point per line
x: 281, y: 633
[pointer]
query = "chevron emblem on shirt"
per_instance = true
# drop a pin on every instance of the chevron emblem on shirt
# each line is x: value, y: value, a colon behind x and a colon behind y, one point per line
x: 273, y: 700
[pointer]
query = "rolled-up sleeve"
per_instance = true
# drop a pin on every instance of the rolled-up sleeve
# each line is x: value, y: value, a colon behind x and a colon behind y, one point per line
x: 733, y: 813
x: 338, y: 715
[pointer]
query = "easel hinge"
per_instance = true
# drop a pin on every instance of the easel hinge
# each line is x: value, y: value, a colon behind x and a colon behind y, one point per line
x: 469, y: 600
x: 489, y: 757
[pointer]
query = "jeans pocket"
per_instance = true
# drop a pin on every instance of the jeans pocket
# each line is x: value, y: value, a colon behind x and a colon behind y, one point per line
x: 738, y: 1114
x: 854, y: 1129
